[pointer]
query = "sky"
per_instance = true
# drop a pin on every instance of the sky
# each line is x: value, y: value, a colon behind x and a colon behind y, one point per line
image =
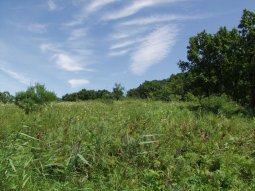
x: 69, y: 45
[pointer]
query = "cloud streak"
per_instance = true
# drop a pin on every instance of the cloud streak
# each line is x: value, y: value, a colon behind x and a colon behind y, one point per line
x: 77, y: 34
x: 51, y: 5
x: 19, y: 77
x: 98, y: 4
x: 37, y: 28
x: 154, y: 49
x: 135, y: 7
x: 75, y: 83
x: 125, y: 44
x: 119, y: 53
x: 159, y: 19
x: 67, y: 61
x: 91, y: 8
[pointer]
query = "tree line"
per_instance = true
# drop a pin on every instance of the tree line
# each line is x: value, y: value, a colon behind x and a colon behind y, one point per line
x: 220, y: 63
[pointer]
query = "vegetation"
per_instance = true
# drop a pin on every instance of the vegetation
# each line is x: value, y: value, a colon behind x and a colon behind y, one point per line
x: 170, y: 89
x: 193, y: 131
x: 6, y: 97
x: 221, y: 63
x: 34, y: 98
x: 87, y: 95
x: 100, y: 146
x: 118, y: 91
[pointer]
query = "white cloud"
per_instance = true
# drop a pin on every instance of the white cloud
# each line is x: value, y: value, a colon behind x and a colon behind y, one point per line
x: 93, y: 7
x: 158, y: 18
x: 76, y: 34
x: 74, y: 83
x: 125, y: 44
x: 49, y: 47
x: 51, y: 5
x: 67, y: 63
x: 22, y: 79
x: 72, y: 61
x: 154, y: 49
x: 98, y: 4
x: 124, y: 32
x: 119, y: 53
x: 135, y: 7
x: 37, y: 28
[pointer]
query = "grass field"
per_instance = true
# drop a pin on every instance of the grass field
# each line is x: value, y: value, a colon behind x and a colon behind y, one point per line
x: 125, y: 145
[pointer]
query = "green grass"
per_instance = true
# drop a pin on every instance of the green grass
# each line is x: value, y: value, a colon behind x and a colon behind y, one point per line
x: 125, y: 145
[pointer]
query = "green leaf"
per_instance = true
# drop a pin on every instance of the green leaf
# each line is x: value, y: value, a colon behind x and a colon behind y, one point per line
x: 28, y: 136
x: 84, y: 160
x: 12, y: 165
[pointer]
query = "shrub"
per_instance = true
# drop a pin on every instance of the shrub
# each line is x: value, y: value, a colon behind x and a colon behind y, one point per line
x: 190, y: 97
x: 34, y: 98
x: 6, y: 97
x: 220, y: 105
x: 118, y: 91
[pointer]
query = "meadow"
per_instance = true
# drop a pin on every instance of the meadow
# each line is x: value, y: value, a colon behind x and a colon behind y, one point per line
x: 125, y: 145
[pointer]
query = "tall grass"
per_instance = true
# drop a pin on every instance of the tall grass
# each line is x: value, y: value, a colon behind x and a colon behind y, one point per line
x: 127, y: 145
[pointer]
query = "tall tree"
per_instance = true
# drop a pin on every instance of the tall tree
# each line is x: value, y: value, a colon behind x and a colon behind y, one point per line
x: 223, y: 62
x: 247, y: 31
x: 118, y: 91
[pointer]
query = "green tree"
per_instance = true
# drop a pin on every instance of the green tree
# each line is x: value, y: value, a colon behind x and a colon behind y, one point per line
x: 247, y: 31
x: 118, y: 91
x: 34, y: 98
x: 223, y: 62
x: 6, y: 97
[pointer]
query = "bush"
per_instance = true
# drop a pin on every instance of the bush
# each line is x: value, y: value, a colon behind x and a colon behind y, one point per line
x: 6, y: 97
x: 220, y: 105
x: 190, y: 97
x: 118, y: 91
x: 34, y: 98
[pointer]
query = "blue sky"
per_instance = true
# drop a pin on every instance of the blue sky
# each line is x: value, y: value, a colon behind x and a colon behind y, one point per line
x: 73, y: 44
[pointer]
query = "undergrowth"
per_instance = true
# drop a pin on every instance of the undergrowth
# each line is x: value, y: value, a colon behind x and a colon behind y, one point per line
x: 125, y: 145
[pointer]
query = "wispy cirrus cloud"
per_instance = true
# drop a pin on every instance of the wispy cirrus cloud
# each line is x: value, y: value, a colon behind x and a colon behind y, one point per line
x: 72, y: 61
x: 75, y: 83
x: 37, y: 28
x: 135, y: 7
x: 97, y: 4
x: 155, y: 19
x: 17, y: 76
x: 51, y: 5
x: 88, y: 9
x: 124, y: 32
x: 49, y: 47
x: 119, y: 53
x: 154, y: 49
x: 77, y: 34
x: 124, y: 44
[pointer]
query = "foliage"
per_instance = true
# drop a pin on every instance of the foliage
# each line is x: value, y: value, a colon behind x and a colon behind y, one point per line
x: 34, y: 98
x: 170, y: 89
x: 96, y: 146
x: 222, y: 105
x: 6, y: 97
x: 223, y: 62
x: 118, y: 91
x: 87, y: 95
